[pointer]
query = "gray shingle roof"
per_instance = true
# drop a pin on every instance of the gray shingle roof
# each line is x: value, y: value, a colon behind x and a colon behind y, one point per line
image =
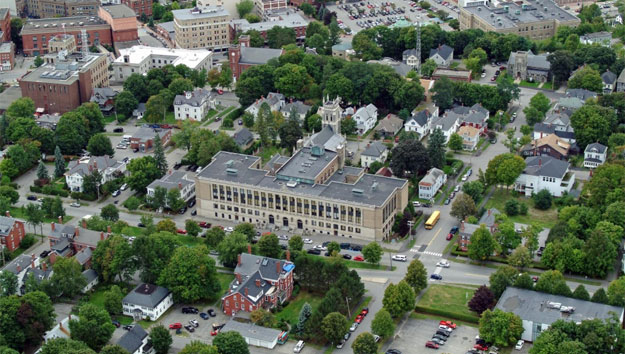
x: 102, y: 94
x: 84, y: 255
x: 545, y: 166
x: 621, y: 77
x: 171, y: 180
x: 446, y: 121
x: 249, y: 330
x: 599, y: 148
x: 62, y: 247
x: 375, y: 149
x: 533, y: 306
x: 147, y: 295
x: 90, y: 275
x: 39, y: 274
x: 421, y: 117
x: 133, y: 339
x: 444, y: 51
x: 549, y: 129
x: 489, y: 216
x: 250, y: 55
x: 146, y: 133
x: 299, y: 106
x: 554, y: 117
x: 539, y: 62
x: 432, y: 175
x: 243, y: 137
x: 23, y: 262
x: 367, y: 112
x: 81, y: 167
x: 582, y: 94
x: 608, y: 77
x: 474, y: 114
x: 326, y: 138
x: 198, y: 97
x: 390, y: 124
x: 6, y: 224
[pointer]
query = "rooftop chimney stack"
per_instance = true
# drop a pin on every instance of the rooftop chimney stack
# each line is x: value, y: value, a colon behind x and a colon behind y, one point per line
x: 7, y: 213
x: 288, y: 255
x: 249, y: 248
x: 77, y: 232
x: 239, y: 259
x: 60, y: 219
x: 84, y: 223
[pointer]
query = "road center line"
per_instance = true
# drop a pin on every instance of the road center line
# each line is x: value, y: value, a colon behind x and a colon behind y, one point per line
x: 436, y: 234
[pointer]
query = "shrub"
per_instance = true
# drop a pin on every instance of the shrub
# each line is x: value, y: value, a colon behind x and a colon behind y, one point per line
x: 523, y: 209
x: 227, y: 123
x: 448, y: 314
x: 35, y: 189
x: 47, y: 189
x: 542, y: 200
x: 512, y: 207
x: 132, y: 203
x: 472, y: 219
x: 27, y: 241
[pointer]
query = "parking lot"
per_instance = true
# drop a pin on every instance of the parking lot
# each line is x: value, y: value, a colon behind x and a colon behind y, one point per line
x: 366, y: 14
x: 411, y: 338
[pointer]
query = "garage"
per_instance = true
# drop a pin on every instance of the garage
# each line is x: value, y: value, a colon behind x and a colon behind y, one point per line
x: 254, y: 335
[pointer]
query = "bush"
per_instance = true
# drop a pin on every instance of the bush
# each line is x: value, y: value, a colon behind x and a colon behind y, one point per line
x: 132, y: 203
x: 35, y: 189
x: 227, y: 123
x: 512, y: 207
x: 542, y: 200
x: 448, y: 314
x: 523, y: 209
x: 27, y: 241
x: 472, y: 219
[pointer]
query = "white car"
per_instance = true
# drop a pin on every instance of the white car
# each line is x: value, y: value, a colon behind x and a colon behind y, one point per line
x: 123, y: 187
x: 320, y: 248
x: 457, y: 189
x: 519, y: 344
x: 464, y: 178
x: 399, y: 258
x: 283, y: 237
x: 353, y: 327
x: 116, y: 193
x: 483, y: 75
x: 229, y: 229
x: 75, y: 205
x: 194, y: 323
x: 445, y: 328
x: 443, y: 263
x: 308, y: 241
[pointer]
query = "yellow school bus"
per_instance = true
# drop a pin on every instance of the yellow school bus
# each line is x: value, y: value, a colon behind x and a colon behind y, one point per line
x: 432, y: 220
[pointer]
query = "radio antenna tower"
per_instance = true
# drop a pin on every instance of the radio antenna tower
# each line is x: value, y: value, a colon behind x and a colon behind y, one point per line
x: 418, y: 48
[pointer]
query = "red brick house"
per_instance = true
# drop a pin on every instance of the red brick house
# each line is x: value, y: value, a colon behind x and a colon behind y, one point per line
x: 11, y: 232
x: 242, y: 56
x: 143, y: 139
x: 260, y: 282
x: 5, y: 25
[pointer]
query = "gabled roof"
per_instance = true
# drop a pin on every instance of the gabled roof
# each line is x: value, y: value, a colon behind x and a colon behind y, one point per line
x: 299, y: 107
x: 19, y: 264
x: 249, y: 330
x: 85, y: 166
x: 608, y: 77
x: 132, y: 340
x: 621, y: 77
x: 39, y: 274
x: 147, y: 295
x: 468, y: 130
x: 327, y: 138
x: 444, y: 51
x: 545, y: 166
x: 475, y: 114
x: 551, y: 140
x: 489, y: 217
x: 375, y: 149
x: 84, y: 255
x: 6, y: 224
x: 391, y: 123
x: 533, y: 61
x: 431, y: 177
x: 582, y: 94
x: 445, y: 122
x: 367, y: 112
x: 251, y: 55
x: 243, y: 137
x: 172, y: 180
x: 595, y: 147
x: 251, y: 263
x: 421, y: 118
x: 90, y: 275
x: 197, y: 98
x: 62, y: 247
x: 553, y: 117
x: 549, y: 129
x: 145, y: 134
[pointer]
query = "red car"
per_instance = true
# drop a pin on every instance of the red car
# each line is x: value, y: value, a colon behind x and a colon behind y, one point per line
x: 480, y: 347
x: 204, y: 225
x: 181, y: 231
x: 450, y: 236
x: 166, y: 126
x: 431, y: 344
x: 176, y: 325
x: 364, y: 311
x: 214, y: 332
x: 535, y: 278
x: 359, y: 318
x: 359, y: 258
x: 220, y: 92
x: 493, y: 78
x: 448, y: 324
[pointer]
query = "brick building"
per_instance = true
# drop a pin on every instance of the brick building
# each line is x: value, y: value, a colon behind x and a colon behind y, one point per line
x: 37, y: 33
x: 260, y: 282
x: 5, y: 25
x: 65, y: 81
x: 60, y: 8
x: 7, y: 56
x: 143, y: 138
x: 139, y: 6
x: 287, y: 18
x: 123, y: 21
x: 202, y: 28
x: 242, y: 56
x: 11, y: 232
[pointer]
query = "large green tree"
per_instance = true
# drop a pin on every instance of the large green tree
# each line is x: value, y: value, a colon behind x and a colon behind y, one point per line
x: 161, y: 339
x: 364, y: 344
x: 416, y: 276
x: 93, y: 327
x: 593, y: 123
x: 409, y: 156
x: 153, y: 253
x: 113, y: 259
x: 334, y: 327
x: 482, y: 244
x: 67, y: 277
x: 231, y: 343
x: 372, y: 252
x: 229, y: 249
x: 143, y: 171
x: 383, y: 324
x: 436, y: 148
x: 500, y: 328
x: 65, y: 346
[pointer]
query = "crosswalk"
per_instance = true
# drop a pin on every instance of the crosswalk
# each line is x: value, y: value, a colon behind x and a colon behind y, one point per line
x: 435, y: 254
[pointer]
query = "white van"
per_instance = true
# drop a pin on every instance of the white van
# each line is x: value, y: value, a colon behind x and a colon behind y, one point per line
x: 298, y: 347
x: 400, y: 258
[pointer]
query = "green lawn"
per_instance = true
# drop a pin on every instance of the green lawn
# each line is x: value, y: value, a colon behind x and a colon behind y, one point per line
x: 291, y: 312
x: 542, y: 218
x: 448, y: 299
x: 548, y: 86
x: 20, y: 214
x: 528, y: 84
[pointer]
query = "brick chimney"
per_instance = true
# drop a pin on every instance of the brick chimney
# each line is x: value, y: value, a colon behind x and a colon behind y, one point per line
x: 77, y: 232
x: 7, y: 213
x: 52, y: 225
x: 95, y: 164
x: 90, y: 168
x: 258, y: 282
x: 238, y: 275
x: 278, y: 268
x: 44, y: 265
x: 179, y: 185
x: 249, y: 248
x: 52, y: 257
x: 101, y: 236
x: 108, y: 229
x: 489, y: 211
x: 239, y: 259
x: 246, y: 291
x: 60, y: 219
x: 32, y: 261
x: 462, y: 225
x: 84, y: 223
x: 288, y: 255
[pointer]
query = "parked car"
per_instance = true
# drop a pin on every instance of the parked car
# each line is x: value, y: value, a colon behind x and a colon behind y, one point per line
x: 211, y: 313
x: 314, y: 251
x: 75, y: 205
x: 364, y: 311
x: 430, y: 344
x: 284, y: 238
x: 437, y: 341
x: 181, y: 231
x: 344, y: 245
x: 31, y: 197
x: 443, y: 333
x: 449, y: 236
x: 482, y: 347
x: 393, y: 351
x: 299, y: 346
x: 347, y: 256
x: 204, y: 225
x: 176, y: 325
x: 118, y: 130
x: 355, y: 247
x: 341, y: 344
x: 229, y: 229
x: 44, y: 254
x: 177, y: 166
x: 190, y: 309
x: 204, y: 316
x: 308, y: 241
x: 519, y: 344
x: 116, y: 193
x: 436, y: 277
x: 454, y: 230
x: 189, y: 328
x: 353, y: 327
x: 128, y: 327
x: 359, y: 318
x: 194, y: 323
x: 447, y: 201
x: 359, y: 258
x: 448, y: 324
x: 116, y: 323
x: 399, y: 258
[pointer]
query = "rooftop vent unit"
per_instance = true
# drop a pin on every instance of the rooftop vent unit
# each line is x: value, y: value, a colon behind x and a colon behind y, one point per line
x: 291, y: 184
x: 374, y: 186
x: 231, y: 171
x: 357, y: 191
x: 229, y: 163
x: 265, y: 260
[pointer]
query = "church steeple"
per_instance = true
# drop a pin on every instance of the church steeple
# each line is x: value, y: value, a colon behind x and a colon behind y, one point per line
x: 331, y: 113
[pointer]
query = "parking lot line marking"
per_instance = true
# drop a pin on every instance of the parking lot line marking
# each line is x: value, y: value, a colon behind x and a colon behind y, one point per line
x: 436, y: 234
x: 477, y: 275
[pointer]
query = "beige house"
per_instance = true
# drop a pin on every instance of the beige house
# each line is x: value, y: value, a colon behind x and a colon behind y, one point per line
x: 470, y: 137
x: 206, y: 27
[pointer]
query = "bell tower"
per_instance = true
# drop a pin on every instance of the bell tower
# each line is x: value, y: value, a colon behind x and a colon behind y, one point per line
x: 331, y: 113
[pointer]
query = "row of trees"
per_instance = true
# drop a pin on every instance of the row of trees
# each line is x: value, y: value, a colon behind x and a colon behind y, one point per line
x: 446, y: 93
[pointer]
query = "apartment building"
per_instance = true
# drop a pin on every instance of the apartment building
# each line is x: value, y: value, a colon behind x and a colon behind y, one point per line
x: 123, y: 21
x: 60, y: 8
x: 140, y: 7
x: 65, y: 81
x: 202, y: 28
x: 36, y: 34
x: 141, y: 59
x: 264, y: 8
x: 5, y: 25
x: 533, y: 19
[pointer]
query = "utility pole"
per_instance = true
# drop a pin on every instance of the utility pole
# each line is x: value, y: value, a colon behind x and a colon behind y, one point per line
x: 418, y: 47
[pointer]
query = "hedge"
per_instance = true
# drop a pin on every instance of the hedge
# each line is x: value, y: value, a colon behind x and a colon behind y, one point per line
x: 49, y: 191
x: 455, y: 252
x: 448, y: 314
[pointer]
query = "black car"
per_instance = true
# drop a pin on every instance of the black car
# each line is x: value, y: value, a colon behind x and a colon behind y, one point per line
x: 480, y: 341
x: 344, y: 246
x: 128, y: 327
x: 436, y: 277
x: 194, y: 213
x: 191, y: 203
x: 116, y: 323
x: 454, y: 230
x: 32, y: 197
x: 284, y: 247
x: 327, y: 254
x: 347, y: 256
x: 140, y: 224
x: 44, y: 254
x: 189, y: 328
x: 440, y: 337
x: 177, y: 166
x: 182, y: 211
x: 540, y: 251
x: 393, y: 351
x: 355, y: 247
x: 211, y: 313
x: 118, y: 130
x: 190, y: 309
x: 325, y: 244
x: 442, y: 333
x: 313, y: 251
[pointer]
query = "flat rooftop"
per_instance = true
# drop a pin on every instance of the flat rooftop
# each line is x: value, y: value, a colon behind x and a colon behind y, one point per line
x: 56, y: 23
x: 369, y: 190
x: 137, y: 54
x: 306, y: 164
x: 119, y: 11
x: 63, y: 71
x: 200, y: 13
x: 289, y: 20
x: 511, y: 14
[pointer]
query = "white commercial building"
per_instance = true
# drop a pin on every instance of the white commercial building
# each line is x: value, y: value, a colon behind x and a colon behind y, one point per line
x: 140, y: 59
